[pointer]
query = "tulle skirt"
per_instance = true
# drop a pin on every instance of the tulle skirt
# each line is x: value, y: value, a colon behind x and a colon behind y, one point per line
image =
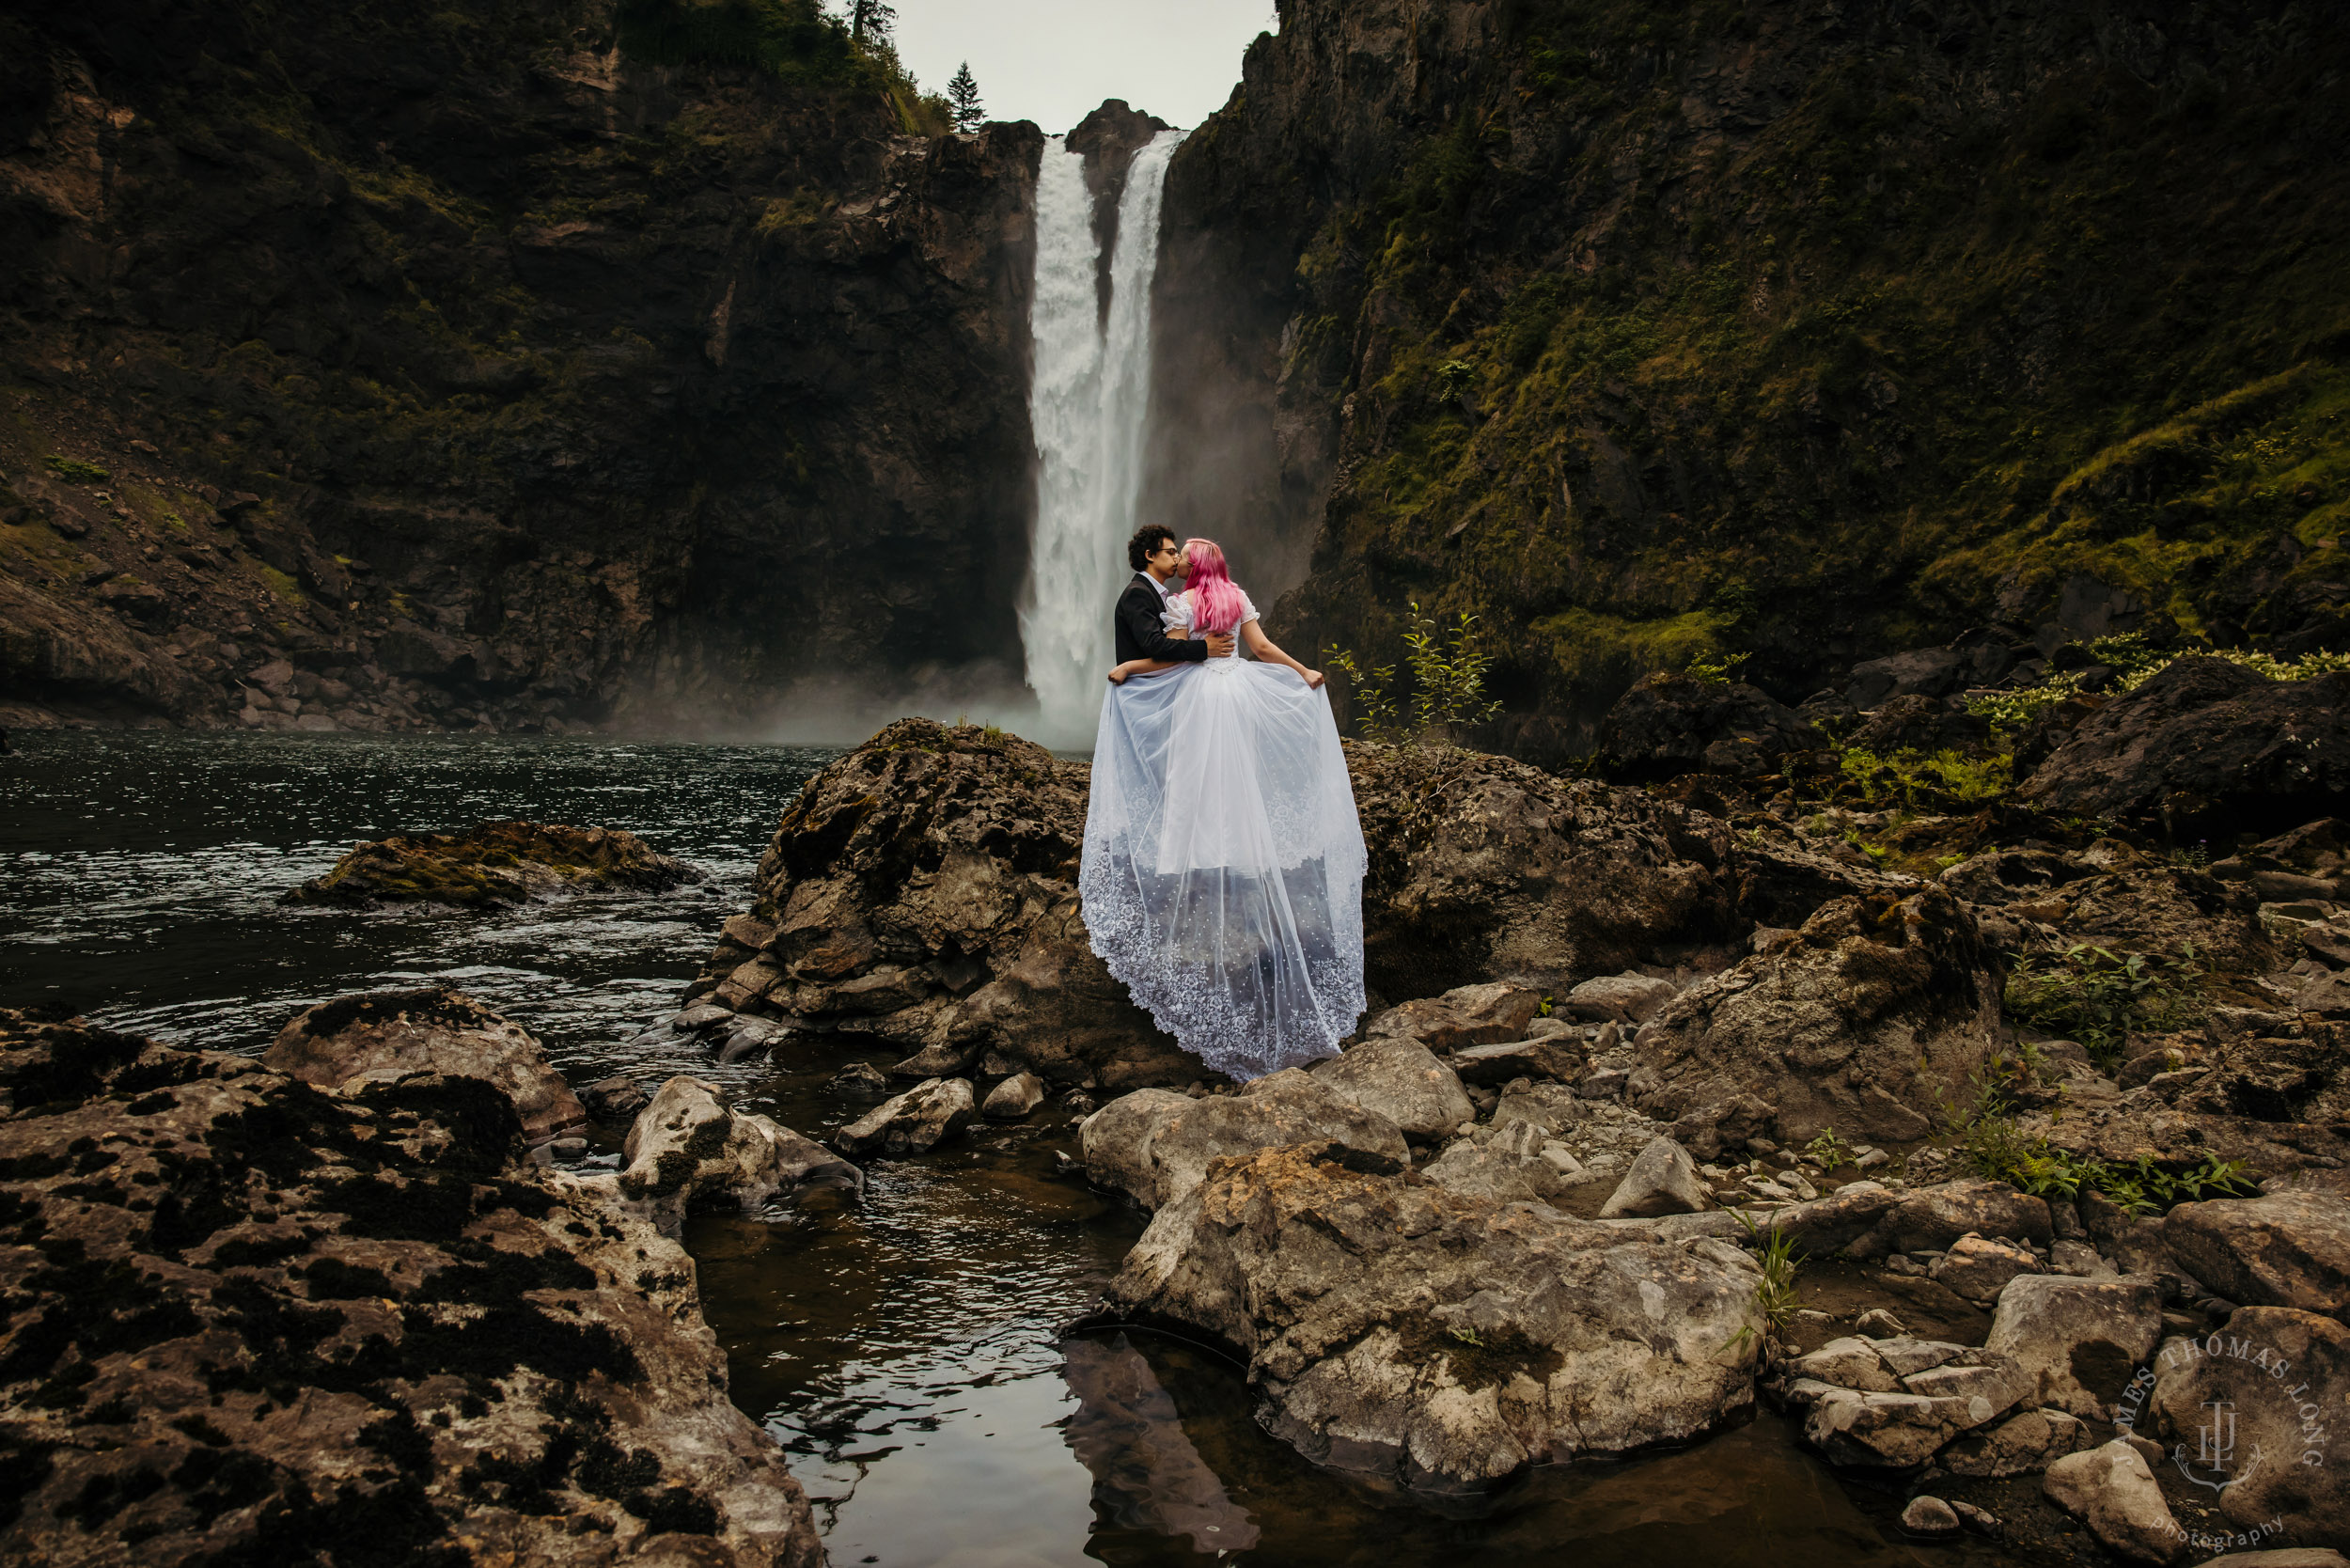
x: 1223, y: 865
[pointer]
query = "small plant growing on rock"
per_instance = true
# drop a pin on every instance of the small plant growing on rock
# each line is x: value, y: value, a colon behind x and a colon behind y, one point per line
x: 1775, y: 1297
x: 75, y: 471
x: 2101, y: 998
x: 1827, y: 1151
x: 1719, y: 672
x: 1447, y: 682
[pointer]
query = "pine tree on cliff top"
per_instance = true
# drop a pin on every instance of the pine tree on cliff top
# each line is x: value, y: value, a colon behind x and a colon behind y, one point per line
x: 962, y: 99
x: 870, y: 21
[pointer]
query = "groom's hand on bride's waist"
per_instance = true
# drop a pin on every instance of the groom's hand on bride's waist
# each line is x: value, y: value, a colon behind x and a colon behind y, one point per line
x: 1219, y: 645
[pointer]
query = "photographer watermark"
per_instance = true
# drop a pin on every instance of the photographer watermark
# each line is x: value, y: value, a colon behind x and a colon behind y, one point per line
x: 2250, y: 1392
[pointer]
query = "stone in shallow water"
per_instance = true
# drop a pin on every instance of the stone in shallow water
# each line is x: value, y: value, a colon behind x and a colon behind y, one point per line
x: 860, y: 1080
x: 689, y: 1151
x: 615, y: 1099
x: 913, y: 1122
x: 491, y: 866
x: 1014, y: 1098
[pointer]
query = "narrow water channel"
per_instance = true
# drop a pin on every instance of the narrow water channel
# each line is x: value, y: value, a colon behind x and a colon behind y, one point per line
x: 904, y: 1350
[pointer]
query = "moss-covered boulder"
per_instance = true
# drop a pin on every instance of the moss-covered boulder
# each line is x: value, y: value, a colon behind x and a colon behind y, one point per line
x: 249, y: 1322
x: 494, y: 865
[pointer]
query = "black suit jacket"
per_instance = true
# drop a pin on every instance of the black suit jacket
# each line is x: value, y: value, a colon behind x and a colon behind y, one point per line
x: 1140, y: 634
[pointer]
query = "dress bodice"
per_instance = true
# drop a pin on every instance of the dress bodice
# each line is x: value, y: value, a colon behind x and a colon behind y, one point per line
x: 1179, y: 613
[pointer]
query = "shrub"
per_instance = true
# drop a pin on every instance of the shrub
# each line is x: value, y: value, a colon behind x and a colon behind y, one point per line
x: 1905, y: 774
x: 2100, y: 998
x: 1447, y: 682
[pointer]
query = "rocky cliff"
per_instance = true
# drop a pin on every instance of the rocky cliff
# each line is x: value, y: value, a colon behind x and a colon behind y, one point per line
x: 484, y: 368
x: 1657, y: 331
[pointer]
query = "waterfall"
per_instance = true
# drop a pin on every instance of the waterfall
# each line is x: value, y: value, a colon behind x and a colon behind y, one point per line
x: 1088, y: 404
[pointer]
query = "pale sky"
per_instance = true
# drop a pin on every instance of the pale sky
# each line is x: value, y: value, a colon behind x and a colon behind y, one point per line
x: 1053, y: 61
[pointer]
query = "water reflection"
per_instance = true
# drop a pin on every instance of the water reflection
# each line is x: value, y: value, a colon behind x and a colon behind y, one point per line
x: 1147, y: 1475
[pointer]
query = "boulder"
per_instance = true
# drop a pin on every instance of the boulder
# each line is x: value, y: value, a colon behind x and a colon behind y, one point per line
x: 1930, y: 1219
x: 435, y: 1029
x: 1553, y: 1107
x: 1921, y: 672
x: 2022, y: 1445
x: 1485, y: 869
x: 615, y: 1099
x: 1014, y: 1098
x: 1437, y: 1340
x: 2111, y: 1491
x: 1670, y: 724
x: 1663, y: 1181
x: 1464, y: 1016
x: 1940, y: 1392
x: 2287, y: 1249
x: 923, y: 889
x: 909, y: 1124
x: 2284, y: 1378
x: 1155, y: 1145
x: 1401, y: 1080
x: 688, y: 1153
x: 1930, y: 1519
x: 1628, y: 998
x: 1513, y: 1162
x: 364, y: 1324
x: 1875, y: 1014
x: 1555, y: 1057
x: 2078, y: 1340
x: 1978, y: 1268
x: 2205, y: 744
x: 493, y: 866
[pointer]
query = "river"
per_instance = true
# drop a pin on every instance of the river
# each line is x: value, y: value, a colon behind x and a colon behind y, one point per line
x: 905, y: 1351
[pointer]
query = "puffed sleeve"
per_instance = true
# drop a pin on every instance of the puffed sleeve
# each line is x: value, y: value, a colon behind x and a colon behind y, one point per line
x: 1247, y: 610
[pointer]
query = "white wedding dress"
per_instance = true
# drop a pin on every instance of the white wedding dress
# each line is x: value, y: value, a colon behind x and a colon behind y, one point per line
x: 1223, y: 865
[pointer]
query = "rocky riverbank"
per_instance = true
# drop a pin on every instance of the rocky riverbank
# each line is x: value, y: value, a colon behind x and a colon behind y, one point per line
x: 248, y: 1319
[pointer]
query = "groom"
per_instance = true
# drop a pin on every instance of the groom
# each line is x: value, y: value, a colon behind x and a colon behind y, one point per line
x: 1154, y: 556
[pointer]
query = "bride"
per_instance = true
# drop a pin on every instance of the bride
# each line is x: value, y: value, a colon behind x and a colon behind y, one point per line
x: 1223, y: 865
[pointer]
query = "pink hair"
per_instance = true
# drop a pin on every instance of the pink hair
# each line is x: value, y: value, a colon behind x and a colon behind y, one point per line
x: 1215, y: 601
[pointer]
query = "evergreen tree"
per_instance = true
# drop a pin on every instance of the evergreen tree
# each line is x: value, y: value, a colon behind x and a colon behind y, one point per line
x: 962, y: 99
x: 870, y: 21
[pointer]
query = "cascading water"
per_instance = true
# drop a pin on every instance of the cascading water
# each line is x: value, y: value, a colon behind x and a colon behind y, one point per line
x: 1088, y: 404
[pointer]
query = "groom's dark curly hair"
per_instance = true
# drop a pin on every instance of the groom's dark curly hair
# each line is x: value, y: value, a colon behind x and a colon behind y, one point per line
x: 1145, y: 541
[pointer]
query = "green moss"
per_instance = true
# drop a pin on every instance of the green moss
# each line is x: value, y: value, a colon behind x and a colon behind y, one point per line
x: 75, y: 471
x: 278, y: 583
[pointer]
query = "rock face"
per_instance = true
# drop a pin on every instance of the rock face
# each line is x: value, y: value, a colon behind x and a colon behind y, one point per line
x: 689, y: 1153
x: 1401, y: 1080
x: 2204, y: 741
x: 436, y: 1030
x: 257, y: 1322
x: 922, y: 889
x: 1394, y: 440
x: 493, y: 866
x: 1668, y: 725
x: 823, y: 319
x: 1878, y: 1006
x: 1156, y: 1146
x: 1444, y: 1341
x: 2288, y: 1249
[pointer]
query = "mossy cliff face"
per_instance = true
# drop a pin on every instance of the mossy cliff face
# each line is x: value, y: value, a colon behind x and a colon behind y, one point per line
x: 1649, y: 330
x: 557, y: 381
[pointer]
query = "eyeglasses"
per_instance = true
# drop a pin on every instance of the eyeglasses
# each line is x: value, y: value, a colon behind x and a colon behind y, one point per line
x: 1167, y: 550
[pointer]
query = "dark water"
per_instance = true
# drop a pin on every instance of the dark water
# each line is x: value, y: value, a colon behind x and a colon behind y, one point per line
x: 904, y: 1350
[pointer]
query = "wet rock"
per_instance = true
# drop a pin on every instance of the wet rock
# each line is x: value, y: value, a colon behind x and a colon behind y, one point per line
x: 1670, y: 724
x: 2287, y: 1249
x: 347, y: 1314
x: 2078, y: 1340
x: 1879, y: 1013
x: 1401, y: 1080
x: 1620, y: 998
x: 491, y: 866
x: 2111, y: 1491
x: 1663, y: 1181
x: 1930, y: 1519
x: 2204, y: 741
x: 1155, y: 1145
x: 860, y: 1080
x: 1014, y: 1098
x: 1978, y: 1268
x: 1982, y: 1522
x: 912, y: 1123
x: 615, y: 1099
x: 2021, y: 1445
x: 689, y: 1154
x: 1449, y: 1341
x: 2283, y: 1418
x: 749, y: 1038
x: 1556, y: 1057
x: 393, y: 1033
x: 699, y: 1018
x: 1464, y: 1016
